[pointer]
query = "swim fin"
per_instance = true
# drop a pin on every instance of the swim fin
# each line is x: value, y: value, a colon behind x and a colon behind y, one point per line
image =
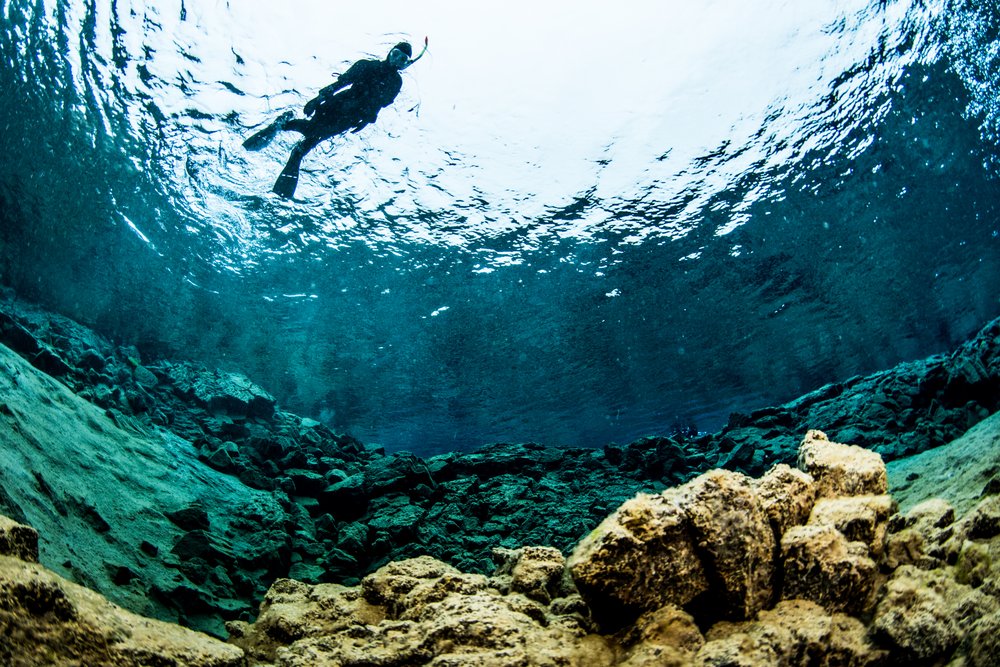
x: 285, y: 185
x: 263, y: 138
x: 289, y: 176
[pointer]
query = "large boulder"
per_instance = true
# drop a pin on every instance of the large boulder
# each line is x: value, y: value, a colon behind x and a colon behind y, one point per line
x: 862, y: 519
x: 787, y: 497
x: 820, y: 565
x: 710, y: 536
x: 734, y: 540
x: 841, y: 470
x: 638, y: 559
x: 219, y: 392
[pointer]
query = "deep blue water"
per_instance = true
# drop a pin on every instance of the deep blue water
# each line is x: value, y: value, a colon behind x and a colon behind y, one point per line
x: 545, y: 238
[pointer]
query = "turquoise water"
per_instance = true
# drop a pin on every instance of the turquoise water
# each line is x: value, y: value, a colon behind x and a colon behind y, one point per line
x: 575, y: 229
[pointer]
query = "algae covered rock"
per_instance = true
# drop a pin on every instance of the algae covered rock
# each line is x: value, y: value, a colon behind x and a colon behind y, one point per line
x: 862, y: 519
x: 415, y: 612
x: 710, y: 536
x: 536, y: 572
x: 667, y: 636
x: 787, y: 497
x: 918, y: 537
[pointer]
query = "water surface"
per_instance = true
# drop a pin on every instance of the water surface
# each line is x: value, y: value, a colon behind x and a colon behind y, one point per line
x: 574, y: 226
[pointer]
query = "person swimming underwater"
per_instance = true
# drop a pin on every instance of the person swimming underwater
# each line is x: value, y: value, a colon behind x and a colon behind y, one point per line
x: 352, y: 102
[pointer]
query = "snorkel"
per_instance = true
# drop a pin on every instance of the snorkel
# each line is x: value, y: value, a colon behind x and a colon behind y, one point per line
x: 419, y: 56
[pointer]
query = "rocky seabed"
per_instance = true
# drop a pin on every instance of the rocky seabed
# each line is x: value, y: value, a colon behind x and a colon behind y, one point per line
x: 805, y: 565
x: 338, y: 509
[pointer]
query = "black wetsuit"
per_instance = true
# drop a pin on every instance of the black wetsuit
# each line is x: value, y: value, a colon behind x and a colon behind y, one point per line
x: 374, y: 85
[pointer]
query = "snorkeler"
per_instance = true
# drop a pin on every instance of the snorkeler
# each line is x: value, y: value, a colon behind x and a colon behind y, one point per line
x: 371, y: 85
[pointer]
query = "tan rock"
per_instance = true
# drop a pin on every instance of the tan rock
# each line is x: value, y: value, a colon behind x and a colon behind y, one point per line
x: 734, y: 539
x: 841, y: 470
x: 654, y: 655
x: 666, y: 636
x: 821, y: 566
x: 18, y: 540
x: 537, y: 572
x: 461, y: 584
x: 907, y: 547
x: 918, y: 537
x: 923, y: 615
x: 795, y: 632
x: 389, y: 643
x: 389, y: 585
x: 983, y: 521
x: 293, y: 611
x: 638, y: 559
x: 983, y: 643
x: 975, y: 536
x: 47, y: 620
x: 932, y: 513
x: 860, y: 518
x: 787, y: 497
x: 418, y: 611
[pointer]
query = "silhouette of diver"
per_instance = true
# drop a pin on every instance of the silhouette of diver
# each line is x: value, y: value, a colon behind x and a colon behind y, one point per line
x: 371, y: 85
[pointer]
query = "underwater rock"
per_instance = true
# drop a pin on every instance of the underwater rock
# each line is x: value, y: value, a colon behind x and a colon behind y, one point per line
x: 536, y: 572
x: 640, y: 558
x: 786, y: 496
x: 410, y: 610
x: 47, y: 620
x: 734, y: 541
x: 667, y: 636
x: 192, y: 517
x: 822, y: 566
x: 455, y: 507
x: 417, y: 611
x: 18, y: 540
x: 841, y: 470
x: 982, y: 644
x: 842, y: 603
x: 795, y: 632
x: 710, y: 545
x: 232, y: 394
x: 862, y: 519
x: 101, y: 490
x: 924, y: 615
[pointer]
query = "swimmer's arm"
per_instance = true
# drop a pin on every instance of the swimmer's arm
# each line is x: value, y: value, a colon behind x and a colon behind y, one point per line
x: 343, y: 81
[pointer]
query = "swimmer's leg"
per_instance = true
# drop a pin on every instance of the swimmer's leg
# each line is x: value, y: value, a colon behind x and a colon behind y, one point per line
x: 288, y: 179
x: 263, y: 138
